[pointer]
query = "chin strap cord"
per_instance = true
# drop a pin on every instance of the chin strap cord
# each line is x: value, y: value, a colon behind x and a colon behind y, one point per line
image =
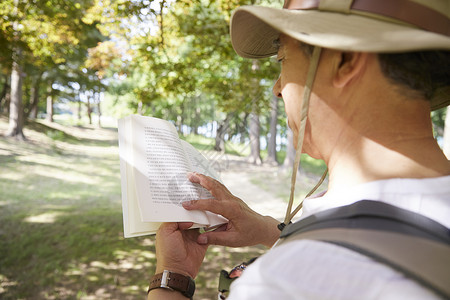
x: 301, y: 134
x: 300, y: 205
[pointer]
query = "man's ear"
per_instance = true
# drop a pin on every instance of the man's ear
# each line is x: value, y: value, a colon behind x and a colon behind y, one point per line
x: 350, y: 67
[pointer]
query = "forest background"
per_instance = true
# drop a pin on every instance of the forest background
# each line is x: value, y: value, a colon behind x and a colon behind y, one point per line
x: 68, y: 70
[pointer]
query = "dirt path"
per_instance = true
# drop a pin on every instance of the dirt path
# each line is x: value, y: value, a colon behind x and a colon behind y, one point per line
x: 263, y: 202
x: 238, y: 175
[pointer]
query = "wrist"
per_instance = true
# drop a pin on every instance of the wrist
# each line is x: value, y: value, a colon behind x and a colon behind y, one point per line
x: 174, y: 269
x: 170, y: 281
x: 273, y: 233
x: 158, y: 294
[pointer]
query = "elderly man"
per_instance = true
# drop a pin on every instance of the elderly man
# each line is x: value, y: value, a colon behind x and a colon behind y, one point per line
x: 358, y: 80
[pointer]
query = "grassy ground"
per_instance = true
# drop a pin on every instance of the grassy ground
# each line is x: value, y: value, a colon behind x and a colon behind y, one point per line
x: 61, y: 223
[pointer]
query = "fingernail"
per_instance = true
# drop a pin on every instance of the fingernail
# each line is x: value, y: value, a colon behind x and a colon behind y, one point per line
x: 186, y: 204
x: 202, y: 240
x: 193, y: 177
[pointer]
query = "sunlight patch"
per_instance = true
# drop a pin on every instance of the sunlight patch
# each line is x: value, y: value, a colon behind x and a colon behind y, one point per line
x: 15, y: 176
x: 132, y: 288
x: 5, y: 152
x: 99, y: 264
x: 49, y: 217
x: 148, y: 254
x: 92, y: 277
x: 5, y: 283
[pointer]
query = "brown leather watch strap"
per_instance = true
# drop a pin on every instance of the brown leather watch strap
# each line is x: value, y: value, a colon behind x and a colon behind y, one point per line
x: 173, y: 281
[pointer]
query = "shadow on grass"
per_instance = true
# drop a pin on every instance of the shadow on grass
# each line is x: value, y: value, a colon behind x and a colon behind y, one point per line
x: 67, y: 254
x: 72, y: 254
x: 57, y: 134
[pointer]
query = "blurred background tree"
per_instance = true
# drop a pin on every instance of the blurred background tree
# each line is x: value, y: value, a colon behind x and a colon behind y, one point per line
x: 168, y: 59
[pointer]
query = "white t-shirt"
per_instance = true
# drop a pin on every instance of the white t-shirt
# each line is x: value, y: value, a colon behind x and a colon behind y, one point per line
x: 305, y: 269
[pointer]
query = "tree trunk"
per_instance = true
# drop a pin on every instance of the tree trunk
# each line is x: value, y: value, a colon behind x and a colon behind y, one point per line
x: 180, y: 120
x: 79, y: 108
x: 5, y: 94
x: 89, y: 109
x: 446, y: 146
x: 7, y: 100
x: 242, y: 129
x: 272, y: 143
x: 16, y: 107
x: 161, y: 20
x: 99, y: 110
x: 255, y: 145
x: 139, y: 110
x: 254, y: 124
x: 220, y: 134
x: 34, y: 97
x: 197, y: 118
x: 49, y: 116
x: 290, y: 150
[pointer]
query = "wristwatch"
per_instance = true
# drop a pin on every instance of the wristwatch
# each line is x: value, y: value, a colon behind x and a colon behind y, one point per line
x: 174, y: 282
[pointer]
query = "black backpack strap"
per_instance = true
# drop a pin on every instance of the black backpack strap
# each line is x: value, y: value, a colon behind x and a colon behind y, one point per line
x: 408, y: 242
x: 368, y: 214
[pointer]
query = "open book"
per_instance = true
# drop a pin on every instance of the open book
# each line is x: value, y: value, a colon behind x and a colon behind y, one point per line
x: 154, y: 164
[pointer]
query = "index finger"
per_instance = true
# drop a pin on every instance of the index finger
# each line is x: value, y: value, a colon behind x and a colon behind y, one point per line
x: 217, y: 189
x: 212, y: 205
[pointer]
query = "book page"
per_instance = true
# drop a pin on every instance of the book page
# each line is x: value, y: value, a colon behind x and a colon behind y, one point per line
x: 133, y: 226
x: 161, y: 169
x: 136, y: 226
x: 198, y: 163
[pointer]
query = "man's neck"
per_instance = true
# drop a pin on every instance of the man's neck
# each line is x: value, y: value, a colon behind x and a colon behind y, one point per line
x: 369, y: 129
x: 366, y: 160
x: 389, y: 138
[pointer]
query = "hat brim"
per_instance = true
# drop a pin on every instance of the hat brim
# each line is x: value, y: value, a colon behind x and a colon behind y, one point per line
x: 255, y: 28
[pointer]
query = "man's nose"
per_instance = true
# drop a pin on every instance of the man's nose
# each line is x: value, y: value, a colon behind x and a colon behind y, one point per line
x: 277, y: 88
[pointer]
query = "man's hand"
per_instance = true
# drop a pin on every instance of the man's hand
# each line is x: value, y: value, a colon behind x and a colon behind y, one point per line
x: 177, y: 249
x: 245, y: 227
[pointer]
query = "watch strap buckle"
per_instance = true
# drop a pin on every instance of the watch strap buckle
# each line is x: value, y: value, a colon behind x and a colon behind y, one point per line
x: 165, y: 280
x: 174, y: 282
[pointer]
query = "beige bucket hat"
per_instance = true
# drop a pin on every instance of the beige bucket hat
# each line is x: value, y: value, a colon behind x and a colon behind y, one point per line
x: 358, y: 25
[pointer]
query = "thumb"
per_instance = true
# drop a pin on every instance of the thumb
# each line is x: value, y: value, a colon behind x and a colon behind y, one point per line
x: 168, y: 227
x: 222, y: 238
x: 185, y: 225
